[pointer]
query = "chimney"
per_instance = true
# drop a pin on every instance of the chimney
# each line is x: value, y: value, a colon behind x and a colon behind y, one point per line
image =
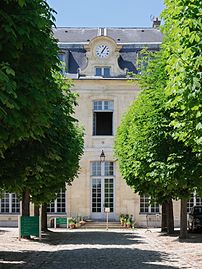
x: 101, y: 31
x: 156, y: 23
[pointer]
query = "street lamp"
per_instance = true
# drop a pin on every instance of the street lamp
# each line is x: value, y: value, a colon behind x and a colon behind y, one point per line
x: 102, y: 156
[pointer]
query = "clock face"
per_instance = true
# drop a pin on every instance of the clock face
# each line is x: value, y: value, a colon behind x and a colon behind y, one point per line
x: 102, y: 51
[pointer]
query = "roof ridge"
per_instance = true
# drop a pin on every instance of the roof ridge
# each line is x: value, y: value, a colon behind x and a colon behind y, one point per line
x: 95, y: 28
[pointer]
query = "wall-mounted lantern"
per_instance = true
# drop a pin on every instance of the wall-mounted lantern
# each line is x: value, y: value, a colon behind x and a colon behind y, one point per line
x: 102, y: 156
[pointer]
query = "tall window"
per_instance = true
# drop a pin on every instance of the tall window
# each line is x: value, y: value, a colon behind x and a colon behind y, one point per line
x: 102, y: 117
x: 59, y: 205
x: 9, y: 203
x: 102, y: 72
x: 194, y: 200
x: 102, y: 186
x: 146, y: 206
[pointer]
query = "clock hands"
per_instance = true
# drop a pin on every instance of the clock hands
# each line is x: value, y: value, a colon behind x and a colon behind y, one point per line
x: 103, y: 49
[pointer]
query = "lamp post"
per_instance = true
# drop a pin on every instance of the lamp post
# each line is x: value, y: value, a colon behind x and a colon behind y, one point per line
x: 102, y: 156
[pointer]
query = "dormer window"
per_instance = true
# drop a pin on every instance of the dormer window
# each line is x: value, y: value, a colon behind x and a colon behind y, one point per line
x: 102, y: 72
x: 61, y: 57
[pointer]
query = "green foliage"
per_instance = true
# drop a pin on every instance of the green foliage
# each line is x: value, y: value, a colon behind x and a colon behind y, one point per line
x: 151, y: 161
x: 28, y: 54
x: 183, y: 50
x: 43, y: 167
x: 40, y: 141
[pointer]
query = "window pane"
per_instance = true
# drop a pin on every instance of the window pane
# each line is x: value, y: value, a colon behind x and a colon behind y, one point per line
x: 15, y: 203
x: 96, y: 199
x: 154, y: 208
x: 198, y: 200
x: 190, y: 203
x: 98, y: 71
x: 97, y: 105
x: 194, y: 200
x: 108, y: 198
x: 96, y: 169
x: 147, y: 207
x: 109, y: 168
x: 106, y: 72
x: 108, y: 105
x: 102, y: 105
x: 58, y: 206
x: 5, y: 203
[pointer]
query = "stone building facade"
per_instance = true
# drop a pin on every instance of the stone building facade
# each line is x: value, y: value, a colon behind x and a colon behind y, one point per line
x: 98, y: 60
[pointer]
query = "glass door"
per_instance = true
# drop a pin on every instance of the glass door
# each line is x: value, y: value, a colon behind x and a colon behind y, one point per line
x: 96, y: 195
x: 102, y: 190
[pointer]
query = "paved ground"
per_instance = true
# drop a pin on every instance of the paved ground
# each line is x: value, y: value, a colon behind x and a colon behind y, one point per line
x: 93, y: 249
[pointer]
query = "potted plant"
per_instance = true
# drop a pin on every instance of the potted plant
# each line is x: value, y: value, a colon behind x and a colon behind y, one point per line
x: 72, y: 223
x: 121, y: 218
x: 126, y: 220
x: 129, y: 222
x: 78, y: 224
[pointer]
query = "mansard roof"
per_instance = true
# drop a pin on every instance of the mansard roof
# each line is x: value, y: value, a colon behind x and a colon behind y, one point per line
x: 120, y: 35
x: 72, y: 42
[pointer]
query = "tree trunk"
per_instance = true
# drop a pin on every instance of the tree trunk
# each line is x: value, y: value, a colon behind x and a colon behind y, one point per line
x: 183, y: 219
x: 44, y: 226
x: 25, y: 203
x: 36, y: 210
x: 170, y: 218
x: 164, y: 219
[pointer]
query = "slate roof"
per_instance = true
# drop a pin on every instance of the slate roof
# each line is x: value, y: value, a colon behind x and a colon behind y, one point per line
x: 120, y: 35
x: 72, y: 40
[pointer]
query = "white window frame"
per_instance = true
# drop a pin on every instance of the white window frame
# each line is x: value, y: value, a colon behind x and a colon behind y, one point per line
x: 193, y: 201
x: 107, y: 173
x: 13, y: 203
x: 146, y: 207
x: 102, y: 68
x: 54, y: 204
x: 103, y: 106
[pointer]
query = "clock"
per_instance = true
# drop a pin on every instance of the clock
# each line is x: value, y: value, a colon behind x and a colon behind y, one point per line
x: 102, y: 51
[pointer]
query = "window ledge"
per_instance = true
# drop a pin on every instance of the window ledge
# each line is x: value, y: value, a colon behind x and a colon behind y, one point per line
x: 9, y: 214
x: 57, y: 214
x: 102, y: 136
x: 149, y: 214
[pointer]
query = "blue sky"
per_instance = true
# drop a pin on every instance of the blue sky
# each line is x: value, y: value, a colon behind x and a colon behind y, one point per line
x: 102, y: 13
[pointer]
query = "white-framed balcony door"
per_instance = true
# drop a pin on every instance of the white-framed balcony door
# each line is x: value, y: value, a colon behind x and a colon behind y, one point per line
x: 102, y: 196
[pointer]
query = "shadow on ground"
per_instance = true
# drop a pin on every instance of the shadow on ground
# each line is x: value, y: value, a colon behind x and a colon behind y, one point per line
x: 86, y: 250
x: 85, y: 258
x: 193, y: 237
x: 93, y: 237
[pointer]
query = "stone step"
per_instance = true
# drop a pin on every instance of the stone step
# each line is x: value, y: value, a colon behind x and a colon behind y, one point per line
x: 101, y: 225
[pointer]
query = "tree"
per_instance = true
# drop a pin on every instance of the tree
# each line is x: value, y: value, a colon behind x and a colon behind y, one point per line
x: 28, y: 54
x: 183, y: 50
x: 41, y: 168
x: 151, y: 161
x: 182, y: 47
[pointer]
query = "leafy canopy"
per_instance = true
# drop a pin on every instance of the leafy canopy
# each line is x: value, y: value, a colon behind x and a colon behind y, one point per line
x: 43, y: 166
x: 28, y: 54
x: 151, y: 161
x: 183, y: 50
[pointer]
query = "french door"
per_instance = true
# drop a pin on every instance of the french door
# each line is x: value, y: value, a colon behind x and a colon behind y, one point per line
x: 102, y: 191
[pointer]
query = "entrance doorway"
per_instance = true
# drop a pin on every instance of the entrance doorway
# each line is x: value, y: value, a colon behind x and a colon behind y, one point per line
x: 102, y: 189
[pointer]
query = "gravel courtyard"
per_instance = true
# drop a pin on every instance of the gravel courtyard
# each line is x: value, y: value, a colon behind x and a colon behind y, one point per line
x: 93, y: 249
